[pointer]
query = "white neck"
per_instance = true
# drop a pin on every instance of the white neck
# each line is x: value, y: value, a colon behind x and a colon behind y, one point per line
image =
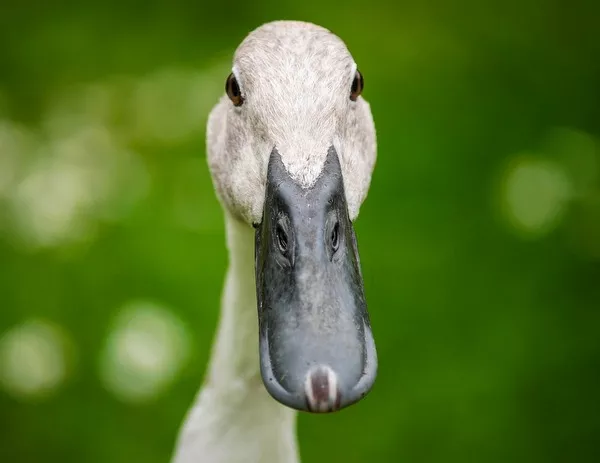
x: 233, y: 418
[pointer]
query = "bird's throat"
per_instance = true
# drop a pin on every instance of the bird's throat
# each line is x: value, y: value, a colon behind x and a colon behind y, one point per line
x: 235, y: 353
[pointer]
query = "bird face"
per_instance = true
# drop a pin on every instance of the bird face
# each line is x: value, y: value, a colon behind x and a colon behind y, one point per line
x: 293, y: 152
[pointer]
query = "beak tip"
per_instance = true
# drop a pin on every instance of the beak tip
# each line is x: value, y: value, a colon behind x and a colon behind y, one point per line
x: 321, y: 390
x: 324, y: 387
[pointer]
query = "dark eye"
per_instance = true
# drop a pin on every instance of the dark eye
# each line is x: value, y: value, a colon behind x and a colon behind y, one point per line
x: 233, y: 90
x: 357, y: 86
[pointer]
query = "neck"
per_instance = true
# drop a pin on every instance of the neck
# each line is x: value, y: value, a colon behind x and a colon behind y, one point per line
x: 233, y: 418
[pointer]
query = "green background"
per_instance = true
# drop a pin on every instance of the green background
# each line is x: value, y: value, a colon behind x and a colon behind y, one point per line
x: 480, y: 237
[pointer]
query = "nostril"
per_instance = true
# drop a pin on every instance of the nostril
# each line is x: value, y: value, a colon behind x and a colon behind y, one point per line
x: 282, y: 240
x: 321, y: 390
x: 335, y: 237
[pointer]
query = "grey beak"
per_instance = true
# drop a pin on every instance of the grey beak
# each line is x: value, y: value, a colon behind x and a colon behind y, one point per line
x: 317, y: 351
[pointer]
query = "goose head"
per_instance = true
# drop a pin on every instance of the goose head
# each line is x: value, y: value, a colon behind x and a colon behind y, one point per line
x: 291, y: 152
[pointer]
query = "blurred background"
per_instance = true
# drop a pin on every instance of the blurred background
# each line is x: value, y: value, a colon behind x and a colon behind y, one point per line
x: 480, y: 237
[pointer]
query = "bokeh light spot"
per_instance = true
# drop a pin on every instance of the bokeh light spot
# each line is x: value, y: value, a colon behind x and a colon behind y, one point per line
x: 534, y: 195
x: 72, y: 183
x: 144, y: 352
x: 16, y: 144
x: 33, y: 359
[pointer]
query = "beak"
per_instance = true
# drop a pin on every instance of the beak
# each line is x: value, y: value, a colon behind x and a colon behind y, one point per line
x: 317, y: 351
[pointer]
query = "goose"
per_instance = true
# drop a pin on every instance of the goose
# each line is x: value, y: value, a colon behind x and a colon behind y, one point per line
x: 291, y: 148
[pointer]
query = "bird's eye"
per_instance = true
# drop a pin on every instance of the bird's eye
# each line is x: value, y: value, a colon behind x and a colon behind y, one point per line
x: 233, y: 90
x: 357, y: 86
